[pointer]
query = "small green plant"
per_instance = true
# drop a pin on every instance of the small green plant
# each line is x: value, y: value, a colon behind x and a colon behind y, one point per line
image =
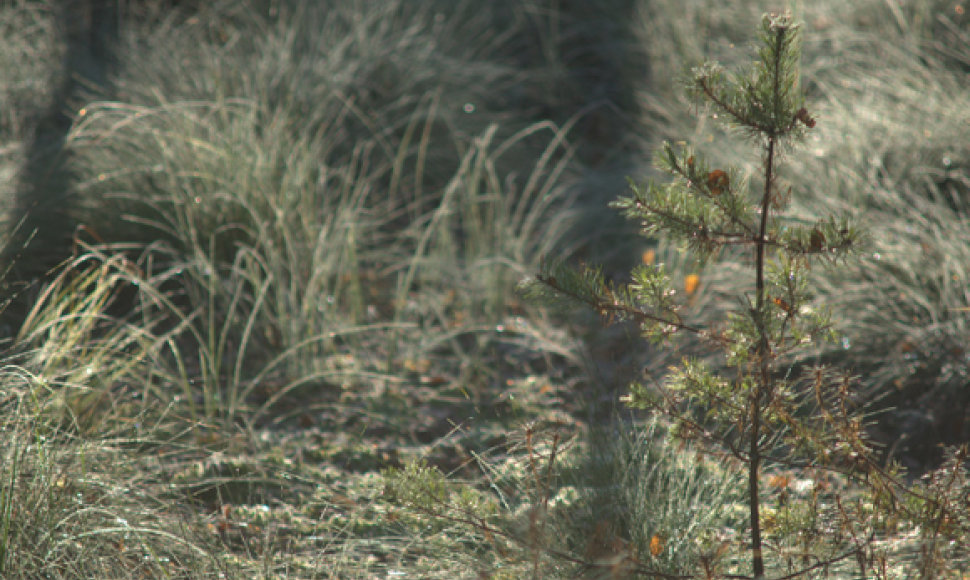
x: 763, y: 406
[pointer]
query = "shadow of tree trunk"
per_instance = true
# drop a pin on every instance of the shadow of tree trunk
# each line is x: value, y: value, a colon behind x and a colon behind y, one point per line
x: 86, y: 30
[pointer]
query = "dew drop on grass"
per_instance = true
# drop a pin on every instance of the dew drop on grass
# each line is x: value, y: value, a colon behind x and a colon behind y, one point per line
x: 469, y: 108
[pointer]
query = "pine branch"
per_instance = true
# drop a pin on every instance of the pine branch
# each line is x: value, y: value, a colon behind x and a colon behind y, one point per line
x: 607, y: 302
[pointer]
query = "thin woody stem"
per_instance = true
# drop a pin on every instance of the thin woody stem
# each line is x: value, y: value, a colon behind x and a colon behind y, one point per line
x: 764, y: 348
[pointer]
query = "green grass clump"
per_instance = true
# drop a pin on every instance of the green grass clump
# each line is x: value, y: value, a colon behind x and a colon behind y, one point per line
x: 64, y: 515
x: 266, y: 258
x: 617, y: 501
x: 306, y: 232
x: 74, y: 503
x: 646, y: 497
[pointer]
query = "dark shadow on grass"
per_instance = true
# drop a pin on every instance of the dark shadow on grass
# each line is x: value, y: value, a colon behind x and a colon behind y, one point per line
x: 41, y: 212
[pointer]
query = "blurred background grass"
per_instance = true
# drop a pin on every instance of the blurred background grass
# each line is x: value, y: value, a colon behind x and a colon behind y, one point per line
x: 283, y: 252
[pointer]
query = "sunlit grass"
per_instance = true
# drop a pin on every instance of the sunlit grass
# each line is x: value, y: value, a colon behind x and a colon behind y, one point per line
x: 262, y: 255
x: 301, y: 228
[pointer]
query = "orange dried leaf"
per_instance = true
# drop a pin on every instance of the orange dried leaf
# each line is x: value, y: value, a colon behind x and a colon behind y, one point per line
x: 783, y: 305
x: 649, y: 257
x: 779, y: 481
x: 691, y: 282
x: 656, y: 545
x: 417, y: 365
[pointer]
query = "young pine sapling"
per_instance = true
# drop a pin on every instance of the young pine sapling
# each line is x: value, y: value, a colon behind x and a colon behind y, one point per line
x: 754, y: 407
